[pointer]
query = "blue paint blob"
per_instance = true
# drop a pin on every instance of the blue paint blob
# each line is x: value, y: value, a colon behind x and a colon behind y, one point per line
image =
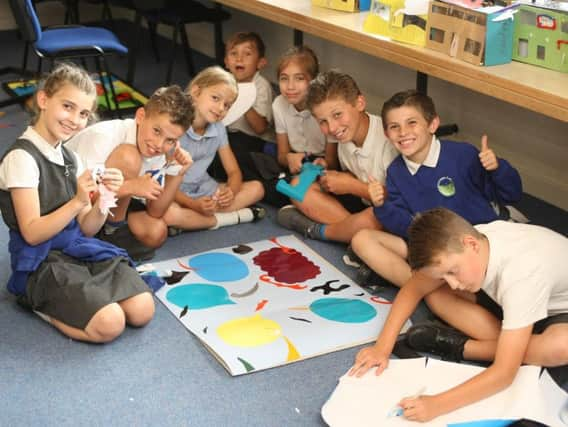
x: 484, y: 423
x: 343, y: 310
x: 198, y: 296
x: 219, y: 267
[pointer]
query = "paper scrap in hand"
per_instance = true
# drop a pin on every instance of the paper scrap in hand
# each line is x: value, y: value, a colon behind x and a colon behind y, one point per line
x: 245, y: 100
x: 107, y: 199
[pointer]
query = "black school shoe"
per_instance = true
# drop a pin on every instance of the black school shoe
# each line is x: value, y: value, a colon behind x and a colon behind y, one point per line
x: 438, y: 339
x: 351, y: 259
x: 258, y: 212
x: 123, y: 238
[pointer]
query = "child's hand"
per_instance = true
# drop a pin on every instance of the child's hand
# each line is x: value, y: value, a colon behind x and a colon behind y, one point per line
x: 419, y: 408
x: 112, y: 179
x: 368, y: 358
x: 147, y: 187
x: 224, y: 196
x: 182, y: 158
x: 336, y: 182
x: 86, y: 186
x: 320, y: 161
x: 377, y: 192
x: 487, y: 157
x: 206, y: 206
x: 295, y: 162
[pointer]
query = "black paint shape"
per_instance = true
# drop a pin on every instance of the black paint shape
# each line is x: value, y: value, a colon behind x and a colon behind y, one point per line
x: 175, y: 277
x: 327, y: 289
x: 360, y: 295
x: 242, y: 249
x: 300, y: 319
x: 184, y: 311
x: 205, y: 329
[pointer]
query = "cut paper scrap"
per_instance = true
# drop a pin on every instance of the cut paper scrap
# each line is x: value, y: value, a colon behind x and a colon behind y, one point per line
x: 245, y: 100
x: 366, y: 401
x: 555, y: 397
x: 107, y: 199
x: 252, y: 323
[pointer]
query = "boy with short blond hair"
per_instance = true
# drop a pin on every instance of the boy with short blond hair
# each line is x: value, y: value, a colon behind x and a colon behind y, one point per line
x: 519, y: 268
x: 145, y: 149
x: 338, y: 205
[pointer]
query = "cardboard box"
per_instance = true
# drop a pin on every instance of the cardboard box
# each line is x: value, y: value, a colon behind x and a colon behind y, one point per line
x: 400, y: 20
x: 344, y: 5
x: 482, y: 36
x: 541, y: 37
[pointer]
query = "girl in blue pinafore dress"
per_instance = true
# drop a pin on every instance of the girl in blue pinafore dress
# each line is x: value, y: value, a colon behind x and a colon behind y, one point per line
x: 84, y: 287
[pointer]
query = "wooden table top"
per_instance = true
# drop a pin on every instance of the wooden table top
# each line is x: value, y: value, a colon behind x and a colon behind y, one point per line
x: 528, y: 86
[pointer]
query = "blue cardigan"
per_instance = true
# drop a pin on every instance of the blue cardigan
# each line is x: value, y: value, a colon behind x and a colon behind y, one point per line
x: 26, y: 258
x: 458, y: 182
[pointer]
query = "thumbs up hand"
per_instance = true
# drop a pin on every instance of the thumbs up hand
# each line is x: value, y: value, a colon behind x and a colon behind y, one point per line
x: 377, y: 192
x: 487, y: 157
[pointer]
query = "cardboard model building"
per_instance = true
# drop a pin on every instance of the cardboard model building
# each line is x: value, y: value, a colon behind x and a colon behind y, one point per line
x: 344, y: 5
x: 400, y: 20
x: 541, y: 36
x: 481, y: 36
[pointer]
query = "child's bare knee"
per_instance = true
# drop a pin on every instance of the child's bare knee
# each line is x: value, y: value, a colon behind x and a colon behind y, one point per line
x: 257, y: 189
x: 127, y: 158
x: 140, y: 310
x: 437, y: 300
x: 361, y: 240
x: 156, y: 235
x: 557, y: 351
x: 107, y: 324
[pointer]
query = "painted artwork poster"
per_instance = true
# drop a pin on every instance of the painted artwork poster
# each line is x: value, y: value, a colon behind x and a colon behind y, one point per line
x: 268, y: 303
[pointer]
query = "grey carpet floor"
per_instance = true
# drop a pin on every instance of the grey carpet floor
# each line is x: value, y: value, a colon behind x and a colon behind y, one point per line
x: 161, y: 375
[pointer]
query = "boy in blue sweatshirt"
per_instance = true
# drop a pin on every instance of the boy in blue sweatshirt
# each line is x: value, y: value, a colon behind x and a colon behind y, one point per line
x: 429, y: 173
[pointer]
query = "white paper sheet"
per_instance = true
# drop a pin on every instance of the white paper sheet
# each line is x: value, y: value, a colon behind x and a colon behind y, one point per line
x: 367, y: 401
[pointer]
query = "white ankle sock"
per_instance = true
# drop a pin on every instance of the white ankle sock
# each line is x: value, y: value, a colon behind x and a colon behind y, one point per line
x: 232, y: 218
x: 43, y: 316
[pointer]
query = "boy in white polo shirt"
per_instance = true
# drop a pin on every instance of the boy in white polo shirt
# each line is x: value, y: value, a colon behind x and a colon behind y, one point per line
x: 338, y: 206
x: 141, y: 148
x: 518, y: 271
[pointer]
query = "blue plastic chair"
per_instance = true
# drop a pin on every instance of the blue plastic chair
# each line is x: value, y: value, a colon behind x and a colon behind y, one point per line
x: 69, y: 42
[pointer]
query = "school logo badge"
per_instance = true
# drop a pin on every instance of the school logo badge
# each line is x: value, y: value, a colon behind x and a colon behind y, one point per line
x: 446, y: 186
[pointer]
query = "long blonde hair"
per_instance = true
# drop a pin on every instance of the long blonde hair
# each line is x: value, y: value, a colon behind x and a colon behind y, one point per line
x: 212, y: 76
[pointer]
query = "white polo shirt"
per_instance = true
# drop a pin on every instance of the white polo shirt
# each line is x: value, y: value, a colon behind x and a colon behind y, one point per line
x: 527, y: 274
x: 95, y: 143
x: 372, y: 158
x: 17, y: 161
x: 304, y: 133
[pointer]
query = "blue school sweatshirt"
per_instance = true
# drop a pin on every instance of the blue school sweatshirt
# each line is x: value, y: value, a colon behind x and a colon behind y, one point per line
x: 458, y: 182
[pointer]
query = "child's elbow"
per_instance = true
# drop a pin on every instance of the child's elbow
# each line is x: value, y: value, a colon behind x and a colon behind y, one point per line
x: 30, y: 239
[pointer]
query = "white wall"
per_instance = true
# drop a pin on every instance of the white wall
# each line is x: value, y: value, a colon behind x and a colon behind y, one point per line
x: 535, y: 144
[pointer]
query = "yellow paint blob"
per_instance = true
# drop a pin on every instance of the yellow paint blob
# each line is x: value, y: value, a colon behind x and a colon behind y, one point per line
x: 249, y: 331
x: 293, y: 354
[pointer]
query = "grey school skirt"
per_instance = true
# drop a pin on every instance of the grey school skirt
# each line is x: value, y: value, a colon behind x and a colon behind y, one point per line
x: 72, y: 291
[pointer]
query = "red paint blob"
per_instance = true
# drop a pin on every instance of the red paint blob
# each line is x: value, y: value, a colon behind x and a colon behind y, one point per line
x: 286, y: 265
